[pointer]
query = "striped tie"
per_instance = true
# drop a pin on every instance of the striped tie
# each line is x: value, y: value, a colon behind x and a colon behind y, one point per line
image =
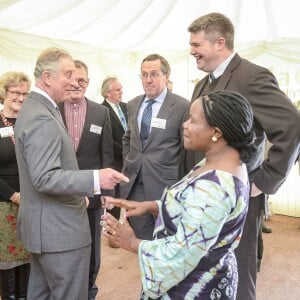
x: 121, y: 117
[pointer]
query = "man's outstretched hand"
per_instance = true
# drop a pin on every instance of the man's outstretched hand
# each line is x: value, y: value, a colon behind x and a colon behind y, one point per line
x: 109, y: 178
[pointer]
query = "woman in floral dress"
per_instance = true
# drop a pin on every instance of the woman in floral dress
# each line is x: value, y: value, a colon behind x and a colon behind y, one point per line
x: 14, y: 264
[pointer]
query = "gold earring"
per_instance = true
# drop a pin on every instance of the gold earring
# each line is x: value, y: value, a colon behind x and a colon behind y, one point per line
x: 214, y: 138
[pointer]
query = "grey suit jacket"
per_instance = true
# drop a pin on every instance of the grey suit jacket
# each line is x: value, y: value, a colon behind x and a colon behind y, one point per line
x: 52, y: 215
x: 275, y: 116
x: 158, y: 161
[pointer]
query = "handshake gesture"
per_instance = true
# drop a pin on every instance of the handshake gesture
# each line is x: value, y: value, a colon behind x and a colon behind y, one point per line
x: 132, y: 208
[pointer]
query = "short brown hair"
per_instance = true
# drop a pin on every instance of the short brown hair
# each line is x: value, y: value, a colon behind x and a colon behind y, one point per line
x: 215, y: 25
x: 80, y: 64
x: 165, y: 66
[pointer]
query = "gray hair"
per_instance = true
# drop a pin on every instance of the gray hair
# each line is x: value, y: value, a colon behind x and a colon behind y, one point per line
x: 106, y: 85
x: 47, y: 61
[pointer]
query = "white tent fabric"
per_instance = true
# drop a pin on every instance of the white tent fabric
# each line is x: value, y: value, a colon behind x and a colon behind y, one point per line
x: 139, y: 25
x: 112, y: 37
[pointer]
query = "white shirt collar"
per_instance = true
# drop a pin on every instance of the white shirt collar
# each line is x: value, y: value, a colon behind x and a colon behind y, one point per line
x: 222, y: 67
x: 160, y: 98
x: 42, y: 92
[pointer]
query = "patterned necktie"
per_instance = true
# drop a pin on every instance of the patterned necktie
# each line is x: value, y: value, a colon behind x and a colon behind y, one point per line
x: 146, y: 121
x: 121, y: 117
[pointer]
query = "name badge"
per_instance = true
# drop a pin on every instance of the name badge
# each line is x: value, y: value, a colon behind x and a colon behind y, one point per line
x: 6, y: 131
x: 96, y: 129
x: 158, y: 123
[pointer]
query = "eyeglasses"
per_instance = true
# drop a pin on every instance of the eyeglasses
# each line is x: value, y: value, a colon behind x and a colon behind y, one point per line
x: 82, y: 82
x: 152, y: 75
x: 18, y: 93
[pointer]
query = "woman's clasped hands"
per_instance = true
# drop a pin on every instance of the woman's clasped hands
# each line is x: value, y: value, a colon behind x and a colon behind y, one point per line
x: 120, y: 232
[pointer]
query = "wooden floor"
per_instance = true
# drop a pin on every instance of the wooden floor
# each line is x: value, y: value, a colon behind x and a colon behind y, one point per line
x: 279, y: 278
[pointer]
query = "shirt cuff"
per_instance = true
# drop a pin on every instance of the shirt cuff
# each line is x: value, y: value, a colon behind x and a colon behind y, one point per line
x: 97, y: 190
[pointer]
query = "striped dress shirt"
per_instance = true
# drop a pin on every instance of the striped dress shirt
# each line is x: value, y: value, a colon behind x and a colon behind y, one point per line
x: 75, y: 117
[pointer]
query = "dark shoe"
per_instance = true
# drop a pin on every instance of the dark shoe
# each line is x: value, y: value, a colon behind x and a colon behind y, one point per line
x: 22, y: 279
x: 8, y: 284
x: 266, y: 229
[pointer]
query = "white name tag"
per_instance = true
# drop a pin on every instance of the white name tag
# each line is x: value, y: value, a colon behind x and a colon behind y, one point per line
x: 6, y: 131
x: 96, y: 129
x: 158, y: 123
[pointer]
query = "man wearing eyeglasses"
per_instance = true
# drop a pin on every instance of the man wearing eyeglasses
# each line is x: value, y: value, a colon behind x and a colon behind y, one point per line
x: 88, y: 124
x: 153, y: 142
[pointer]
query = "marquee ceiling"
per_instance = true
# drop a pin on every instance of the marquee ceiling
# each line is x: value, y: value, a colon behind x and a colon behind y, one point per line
x: 141, y: 25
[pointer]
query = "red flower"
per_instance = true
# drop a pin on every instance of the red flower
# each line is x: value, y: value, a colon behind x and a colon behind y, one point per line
x: 10, y: 218
x: 11, y: 248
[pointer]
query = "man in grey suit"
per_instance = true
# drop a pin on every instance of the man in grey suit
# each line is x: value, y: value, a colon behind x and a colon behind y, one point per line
x: 52, y: 221
x: 275, y: 117
x: 88, y: 124
x: 151, y: 158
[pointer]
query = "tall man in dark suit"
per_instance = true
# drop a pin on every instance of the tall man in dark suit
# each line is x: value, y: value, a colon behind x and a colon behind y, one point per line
x: 151, y: 157
x: 88, y: 124
x: 52, y: 221
x: 111, y: 90
x: 212, y: 44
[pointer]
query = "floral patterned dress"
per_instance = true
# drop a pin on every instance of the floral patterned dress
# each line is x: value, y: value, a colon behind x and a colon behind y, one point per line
x: 12, y: 252
x: 199, y: 225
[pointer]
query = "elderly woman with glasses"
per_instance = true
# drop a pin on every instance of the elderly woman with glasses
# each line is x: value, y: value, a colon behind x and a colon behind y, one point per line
x: 14, y: 263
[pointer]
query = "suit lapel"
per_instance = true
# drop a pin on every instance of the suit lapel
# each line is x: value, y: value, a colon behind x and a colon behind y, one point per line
x: 113, y: 114
x: 199, y: 88
x: 135, y: 112
x: 223, y: 81
x: 51, y: 109
x: 62, y: 111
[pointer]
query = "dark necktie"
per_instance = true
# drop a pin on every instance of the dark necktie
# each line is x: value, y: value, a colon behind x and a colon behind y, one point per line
x: 146, y: 121
x: 121, y: 117
x: 211, y: 78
